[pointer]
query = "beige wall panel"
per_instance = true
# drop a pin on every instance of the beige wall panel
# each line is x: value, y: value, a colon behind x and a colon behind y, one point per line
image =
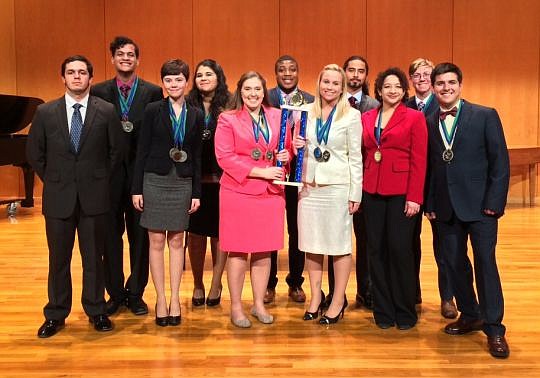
x: 46, y: 33
x: 241, y: 35
x: 163, y: 30
x: 9, y: 176
x: 8, y: 62
x: 317, y: 33
x: 400, y: 31
x: 497, y: 47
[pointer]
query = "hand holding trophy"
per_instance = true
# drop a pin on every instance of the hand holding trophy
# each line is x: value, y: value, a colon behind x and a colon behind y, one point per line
x: 296, y: 101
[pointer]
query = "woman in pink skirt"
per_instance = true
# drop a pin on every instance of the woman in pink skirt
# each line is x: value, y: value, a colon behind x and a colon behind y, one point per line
x: 251, y: 207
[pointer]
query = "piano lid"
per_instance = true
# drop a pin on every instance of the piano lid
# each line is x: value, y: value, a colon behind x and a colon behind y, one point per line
x: 16, y: 112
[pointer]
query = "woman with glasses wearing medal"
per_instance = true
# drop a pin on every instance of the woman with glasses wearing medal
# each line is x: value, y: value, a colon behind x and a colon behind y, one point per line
x: 211, y: 95
x: 251, y: 206
x: 332, y: 190
x: 395, y: 153
x: 166, y: 183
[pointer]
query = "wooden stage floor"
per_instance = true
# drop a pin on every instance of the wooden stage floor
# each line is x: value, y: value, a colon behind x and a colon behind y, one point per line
x: 206, y: 344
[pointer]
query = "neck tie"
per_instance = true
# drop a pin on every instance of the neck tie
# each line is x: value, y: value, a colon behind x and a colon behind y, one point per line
x: 352, y: 100
x: 76, y: 127
x: 124, y: 89
x: 451, y: 112
x: 421, y: 106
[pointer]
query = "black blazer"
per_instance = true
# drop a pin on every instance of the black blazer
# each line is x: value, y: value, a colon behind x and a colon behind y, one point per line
x: 146, y: 93
x: 156, y: 139
x: 68, y: 175
x: 478, y: 176
x: 432, y: 107
x: 273, y: 97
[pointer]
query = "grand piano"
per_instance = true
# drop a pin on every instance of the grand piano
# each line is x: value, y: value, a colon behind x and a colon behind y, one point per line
x: 16, y: 112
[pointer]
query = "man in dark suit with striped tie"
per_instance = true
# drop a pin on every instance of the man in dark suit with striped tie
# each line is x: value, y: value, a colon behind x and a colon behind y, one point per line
x: 73, y: 146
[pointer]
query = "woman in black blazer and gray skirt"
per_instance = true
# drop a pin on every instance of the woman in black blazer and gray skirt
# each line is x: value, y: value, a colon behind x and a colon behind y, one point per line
x: 167, y: 182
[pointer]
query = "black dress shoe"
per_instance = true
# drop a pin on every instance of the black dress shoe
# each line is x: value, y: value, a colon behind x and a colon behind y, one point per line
x: 463, y: 326
x: 498, y: 347
x: 161, y: 321
x: 137, y: 306
x: 175, y: 320
x: 383, y: 325
x: 212, y: 302
x: 404, y: 327
x: 113, y: 305
x: 50, y: 327
x: 101, y: 323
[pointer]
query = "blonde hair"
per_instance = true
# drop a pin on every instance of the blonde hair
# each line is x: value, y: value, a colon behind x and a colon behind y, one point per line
x: 342, y: 105
x: 419, y: 63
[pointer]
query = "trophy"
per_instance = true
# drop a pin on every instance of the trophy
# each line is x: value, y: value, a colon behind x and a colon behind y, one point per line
x: 286, y: 110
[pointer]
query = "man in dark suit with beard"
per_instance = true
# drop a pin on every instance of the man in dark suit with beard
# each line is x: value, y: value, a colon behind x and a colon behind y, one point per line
x: 73, y: 146
x: 129, y: 94
x: 469, y: 178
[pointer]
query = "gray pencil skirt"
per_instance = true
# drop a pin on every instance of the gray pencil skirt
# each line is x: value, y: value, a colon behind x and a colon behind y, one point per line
x: 167, y: 200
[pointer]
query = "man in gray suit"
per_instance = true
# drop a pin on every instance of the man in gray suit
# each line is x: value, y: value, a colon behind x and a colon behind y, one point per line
x: 73, y: 146
x: 356, y: 69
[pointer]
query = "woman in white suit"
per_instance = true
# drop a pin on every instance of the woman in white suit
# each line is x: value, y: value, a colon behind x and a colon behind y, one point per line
x: 332, y: 178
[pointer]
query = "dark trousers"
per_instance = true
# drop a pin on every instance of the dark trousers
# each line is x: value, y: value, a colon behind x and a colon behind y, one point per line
x: 296, y: 258
x: 123, y: 216
x: 391, y: 259
x: 363, y: 282
x: 446, y: 292
x: 453, y: 235
x: 60, y: 240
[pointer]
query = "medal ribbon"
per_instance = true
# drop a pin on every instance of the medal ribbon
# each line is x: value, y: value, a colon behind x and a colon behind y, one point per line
x: 427, y: 103
x: 207, y: 120
x: 179, y: 124
x: 260, y: 127
x: 448, y: 138
x: 378, y: 129
x: 125, y: 103
x: 324, y: 129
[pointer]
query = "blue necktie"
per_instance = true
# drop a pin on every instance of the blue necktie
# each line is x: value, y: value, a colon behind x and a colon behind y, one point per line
x: 421, y: 105
x: 76, y: 127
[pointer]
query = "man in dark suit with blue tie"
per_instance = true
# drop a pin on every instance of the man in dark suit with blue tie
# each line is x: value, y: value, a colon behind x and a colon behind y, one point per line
x: 424, y: 100
x: 73, y: 146
x: 129, y: 94
x: 469, y: 178
x: 286, y: 69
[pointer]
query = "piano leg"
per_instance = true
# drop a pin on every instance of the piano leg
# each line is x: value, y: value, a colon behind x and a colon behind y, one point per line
x: 28, y: 175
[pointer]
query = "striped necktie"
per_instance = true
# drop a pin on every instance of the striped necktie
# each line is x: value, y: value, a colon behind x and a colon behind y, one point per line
x: 76, y: 127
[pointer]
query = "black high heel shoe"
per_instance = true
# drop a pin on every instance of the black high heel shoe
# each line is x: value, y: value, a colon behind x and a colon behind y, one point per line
x: 175, y: 319
x: 212, y: 302
x: 314, y: 315
x: 325, y: 320
x: 161, y: 321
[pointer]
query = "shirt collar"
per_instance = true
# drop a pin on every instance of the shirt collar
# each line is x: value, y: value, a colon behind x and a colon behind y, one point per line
x: 70, y: 101
x: 119, y: 82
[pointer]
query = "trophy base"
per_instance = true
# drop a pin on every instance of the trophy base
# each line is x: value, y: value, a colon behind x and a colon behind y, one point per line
x: 289, y: 183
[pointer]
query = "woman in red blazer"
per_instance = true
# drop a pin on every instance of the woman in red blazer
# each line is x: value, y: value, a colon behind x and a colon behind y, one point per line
x: 395, y: 151
x: 251, y: 207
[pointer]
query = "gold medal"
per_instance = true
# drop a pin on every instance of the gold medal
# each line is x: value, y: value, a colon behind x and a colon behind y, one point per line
x: 377, y: 156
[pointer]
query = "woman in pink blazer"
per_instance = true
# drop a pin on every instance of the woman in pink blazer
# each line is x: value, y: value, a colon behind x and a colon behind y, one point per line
x: 252, y: 208
x: 395, y: 151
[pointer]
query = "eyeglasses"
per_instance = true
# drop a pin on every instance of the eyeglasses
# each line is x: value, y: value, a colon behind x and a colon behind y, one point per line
x: 425, y: 75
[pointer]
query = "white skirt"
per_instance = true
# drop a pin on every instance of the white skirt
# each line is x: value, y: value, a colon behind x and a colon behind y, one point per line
x: 324, y: 222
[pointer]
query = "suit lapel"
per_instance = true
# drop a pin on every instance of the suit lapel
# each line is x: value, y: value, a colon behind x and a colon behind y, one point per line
x: 462, y: 122
x: 88, y: 120
x: 62, y: 121
x: 396, y: 119
x: 166, y: 119
x: 139, y: 95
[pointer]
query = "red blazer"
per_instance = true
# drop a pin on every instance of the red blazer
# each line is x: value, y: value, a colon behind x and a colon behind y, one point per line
x: 234, y: 142
x: 402, y: 170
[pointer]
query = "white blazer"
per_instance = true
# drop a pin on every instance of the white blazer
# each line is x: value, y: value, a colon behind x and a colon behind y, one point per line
x: 345, y: 147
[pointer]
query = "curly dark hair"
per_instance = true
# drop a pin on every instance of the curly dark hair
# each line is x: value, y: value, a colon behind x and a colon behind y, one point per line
x: 402, y: 80
x: 119, y: 42
x: 221, y: 93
